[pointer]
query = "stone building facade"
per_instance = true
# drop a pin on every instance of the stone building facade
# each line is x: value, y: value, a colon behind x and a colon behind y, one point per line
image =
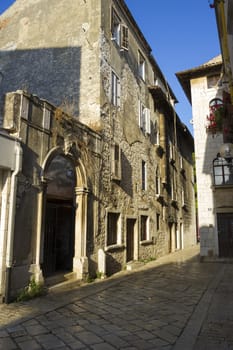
x: 212, y: 121
x: 127, y: 155
x: 209, y: 88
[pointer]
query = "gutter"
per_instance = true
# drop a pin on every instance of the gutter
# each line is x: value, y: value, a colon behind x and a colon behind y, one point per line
x: 11, y: 220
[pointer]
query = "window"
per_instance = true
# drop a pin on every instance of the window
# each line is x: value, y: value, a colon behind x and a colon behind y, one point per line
x: 116, y: 162
x: 171, y: 153
x: 46, y: 118
x: 144, y: 228
x: 182, y: 197
x: 157, y: 134
x: 157, y: 221
x: 24, y: 107
x: 182, y: 168
x: 181, y: 161
x: 157, y: 182
x: 115, y: 91
x: 173, y: 187
x: 120, y: 32
x: 116, y: 27
x: 113, y: 227
x: 223, y: 171
x: 144, y: 118
x: 144, y: 175
x: 124, y: 37
x: 141, y: 65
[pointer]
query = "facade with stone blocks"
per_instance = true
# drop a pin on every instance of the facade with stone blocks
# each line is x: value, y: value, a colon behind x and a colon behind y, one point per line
x: 205, y: 87
x: 107, y: 158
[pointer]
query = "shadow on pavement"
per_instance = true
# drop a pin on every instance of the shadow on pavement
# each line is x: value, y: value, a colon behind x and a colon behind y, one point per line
x: 179, y: 275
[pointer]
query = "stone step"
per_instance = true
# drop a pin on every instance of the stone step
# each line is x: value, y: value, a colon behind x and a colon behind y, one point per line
x: 55, y: 279
x: 133, y: 265
x: 70, y: 276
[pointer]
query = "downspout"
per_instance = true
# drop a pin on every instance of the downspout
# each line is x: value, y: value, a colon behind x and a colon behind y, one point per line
x: 11, y: 220
x: 162, y: 124
x: 224, y: 44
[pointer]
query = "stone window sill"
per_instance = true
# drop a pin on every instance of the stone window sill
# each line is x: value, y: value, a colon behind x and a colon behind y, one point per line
x: 114, y: 247
x: 146, y: 242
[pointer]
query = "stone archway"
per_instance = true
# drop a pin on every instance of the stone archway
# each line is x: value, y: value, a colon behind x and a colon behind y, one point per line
x: 62, y: 200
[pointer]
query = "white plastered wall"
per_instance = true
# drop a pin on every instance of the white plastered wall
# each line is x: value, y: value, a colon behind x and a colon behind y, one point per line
x: 206, y: 149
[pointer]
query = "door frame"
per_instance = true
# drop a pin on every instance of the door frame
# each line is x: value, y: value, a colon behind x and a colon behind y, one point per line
x: 58, y: 206
x: 81, y: 192
x: 135, y: 237
x: 229, y: 240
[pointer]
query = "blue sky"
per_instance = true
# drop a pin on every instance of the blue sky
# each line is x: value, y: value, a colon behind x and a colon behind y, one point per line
x: 182, y: 35
x: 4, y: 4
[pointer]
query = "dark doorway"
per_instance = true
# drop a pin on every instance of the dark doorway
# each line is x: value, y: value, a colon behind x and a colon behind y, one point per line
x: 59, y: 217
x: 130, y: 239
x: 58, y: 237
x: 225, y: 234
x: 170, y: 238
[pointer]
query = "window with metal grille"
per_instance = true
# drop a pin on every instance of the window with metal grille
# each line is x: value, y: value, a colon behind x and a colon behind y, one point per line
x: 223, y: 171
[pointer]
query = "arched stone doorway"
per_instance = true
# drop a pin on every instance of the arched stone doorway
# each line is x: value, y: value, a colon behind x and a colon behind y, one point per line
x: 62, y: 217
x: 59, y: 216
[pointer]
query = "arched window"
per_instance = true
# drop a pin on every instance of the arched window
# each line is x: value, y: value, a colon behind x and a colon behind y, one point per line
x: 223, y: 171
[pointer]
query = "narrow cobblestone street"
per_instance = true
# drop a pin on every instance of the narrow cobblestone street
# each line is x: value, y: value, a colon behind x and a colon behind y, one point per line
x: 175, y: 302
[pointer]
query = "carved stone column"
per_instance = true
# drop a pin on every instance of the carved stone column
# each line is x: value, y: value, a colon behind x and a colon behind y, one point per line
x: 36, y: 267
x: 80, y: 261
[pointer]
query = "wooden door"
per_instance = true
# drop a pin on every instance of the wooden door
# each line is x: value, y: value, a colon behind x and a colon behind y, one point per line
x: 58, y: 238
x: 225, y: 234
x: 130, y: 232
x: 49, y: 261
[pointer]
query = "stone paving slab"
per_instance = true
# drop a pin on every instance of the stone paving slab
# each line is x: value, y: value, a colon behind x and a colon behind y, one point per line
x: 166, y: 304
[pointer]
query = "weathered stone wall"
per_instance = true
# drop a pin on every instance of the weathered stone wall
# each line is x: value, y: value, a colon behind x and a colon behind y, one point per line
x: 73, y: 67
x: 121, y: 125
x: 51, y: 49
x: 42, y: 128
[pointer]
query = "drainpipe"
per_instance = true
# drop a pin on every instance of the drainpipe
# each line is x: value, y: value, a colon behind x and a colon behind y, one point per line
x: 162, y: 129
x: 11, y: 220
x: 223, y: 36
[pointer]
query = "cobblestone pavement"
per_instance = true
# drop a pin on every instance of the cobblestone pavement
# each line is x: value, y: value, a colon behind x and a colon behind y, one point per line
x: 175, y: 303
